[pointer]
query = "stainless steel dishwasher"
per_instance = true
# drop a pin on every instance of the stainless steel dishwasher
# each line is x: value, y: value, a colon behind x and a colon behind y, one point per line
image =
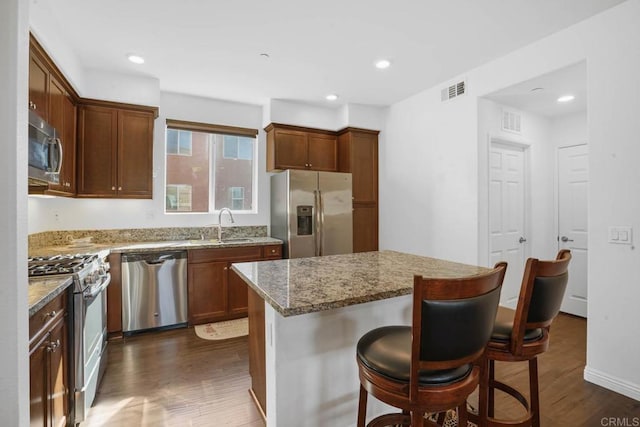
x: 154, y: 290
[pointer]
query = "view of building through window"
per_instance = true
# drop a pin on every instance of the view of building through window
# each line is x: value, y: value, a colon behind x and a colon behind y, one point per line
x: 208, y: 171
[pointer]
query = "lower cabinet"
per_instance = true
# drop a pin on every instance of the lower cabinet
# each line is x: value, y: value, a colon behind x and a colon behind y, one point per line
x: 49, y: 365
x: 214, y: 293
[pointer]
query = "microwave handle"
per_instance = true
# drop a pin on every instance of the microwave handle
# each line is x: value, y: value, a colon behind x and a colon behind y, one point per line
x: 58, y: 144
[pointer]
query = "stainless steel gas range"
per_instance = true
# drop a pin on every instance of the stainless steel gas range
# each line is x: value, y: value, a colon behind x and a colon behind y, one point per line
x: 91, y: 277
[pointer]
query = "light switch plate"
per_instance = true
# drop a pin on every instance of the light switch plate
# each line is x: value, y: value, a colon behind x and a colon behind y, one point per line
x: 620, y: 234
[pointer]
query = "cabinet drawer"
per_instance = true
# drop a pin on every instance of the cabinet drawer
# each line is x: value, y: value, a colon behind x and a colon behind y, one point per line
x: 47, y: 314
x: 272, y: 252
x: 244, y: 253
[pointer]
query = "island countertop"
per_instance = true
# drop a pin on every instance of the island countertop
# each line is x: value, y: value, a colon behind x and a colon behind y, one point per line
x: 306, y: 285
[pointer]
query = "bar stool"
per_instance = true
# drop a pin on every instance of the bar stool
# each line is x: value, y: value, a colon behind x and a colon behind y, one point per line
x: 429, y: 366
x: 523, y: 338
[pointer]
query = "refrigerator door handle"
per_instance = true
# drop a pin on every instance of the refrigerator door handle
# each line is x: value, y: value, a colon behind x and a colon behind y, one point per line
x: 316, y: 215
x: 321, y: 215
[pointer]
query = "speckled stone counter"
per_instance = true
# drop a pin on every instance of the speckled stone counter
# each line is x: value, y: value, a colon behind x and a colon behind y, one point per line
x: 43, y: 290
x: 307, y: 285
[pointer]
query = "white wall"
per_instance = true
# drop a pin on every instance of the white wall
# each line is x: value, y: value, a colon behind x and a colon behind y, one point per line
x: 117, y: 87
x: 14, y: 354
x: 569, y: 130
x: 429, y: 181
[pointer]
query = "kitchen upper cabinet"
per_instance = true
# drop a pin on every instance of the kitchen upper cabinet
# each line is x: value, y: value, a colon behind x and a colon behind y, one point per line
x: 38, y: 85
x: 215, y: 293
x: 358, y: 154
x: 115, y: 150
x: 52, y: 98
x: 62, y: 116
x: 292, y: 147
x: 48, y: 365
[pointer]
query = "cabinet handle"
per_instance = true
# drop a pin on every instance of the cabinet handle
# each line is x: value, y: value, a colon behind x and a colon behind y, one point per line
x: 226, y: 268
x: 113, y: 188
x: 35, y: 107
x: 50, y: 314
x: 119, y: 188
x: 53, y: 346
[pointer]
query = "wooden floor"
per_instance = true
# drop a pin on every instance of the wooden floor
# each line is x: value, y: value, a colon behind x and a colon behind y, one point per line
x: 174, y: 378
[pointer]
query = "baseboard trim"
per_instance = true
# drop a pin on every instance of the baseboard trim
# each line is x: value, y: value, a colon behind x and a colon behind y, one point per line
x: 612, y: 383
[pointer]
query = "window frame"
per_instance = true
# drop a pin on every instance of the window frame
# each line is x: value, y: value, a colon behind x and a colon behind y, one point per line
x: 212, y: 130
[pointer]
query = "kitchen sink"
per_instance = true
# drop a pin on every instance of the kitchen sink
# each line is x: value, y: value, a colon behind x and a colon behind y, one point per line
x: 237, y: 240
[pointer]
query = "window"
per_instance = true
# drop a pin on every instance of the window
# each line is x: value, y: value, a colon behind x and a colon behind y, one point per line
x: 237, y: 198
x: 219, y: 169
x: 179, y: 142
x: 178, y: 198
x: 238, y: 147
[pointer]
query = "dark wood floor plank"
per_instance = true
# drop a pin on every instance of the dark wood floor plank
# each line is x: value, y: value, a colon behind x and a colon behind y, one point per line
x: 174, y: 378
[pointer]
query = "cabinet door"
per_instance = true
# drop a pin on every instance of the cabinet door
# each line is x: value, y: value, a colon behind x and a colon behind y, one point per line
x: 207, y: 292
x: 365, y: 228
x: 322, y: 152
x: 364, y: 167
x: 38, y: 87
x: 290, y: 149
x: 97, y: 151
x: 69, y: 145
x: 38, y: 386
x: 135, y: 154
x: 62, y: 116
x: 238, y: 297
x: 58, y: 356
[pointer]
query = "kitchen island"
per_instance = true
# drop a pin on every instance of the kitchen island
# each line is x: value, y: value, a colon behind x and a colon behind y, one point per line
x: 305, y: 318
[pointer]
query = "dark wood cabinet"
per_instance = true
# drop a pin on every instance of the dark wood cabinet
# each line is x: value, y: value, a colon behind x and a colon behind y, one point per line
x: 52, y: 98
x: 62, y: 116
x: 38, y: 85
x: 215, y: 293
x: 49, y: 365
x: 292, y: 147
x: 358, y: 154
x: 115, y: 150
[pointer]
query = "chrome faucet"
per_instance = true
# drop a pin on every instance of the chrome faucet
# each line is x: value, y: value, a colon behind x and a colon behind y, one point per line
x: 220, y: 221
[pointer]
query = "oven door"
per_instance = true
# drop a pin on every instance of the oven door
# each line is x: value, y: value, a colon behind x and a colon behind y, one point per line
x: 90, y: 344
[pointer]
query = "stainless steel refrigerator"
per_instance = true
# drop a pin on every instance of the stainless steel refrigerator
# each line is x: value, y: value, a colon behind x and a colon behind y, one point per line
x: 312, y: 212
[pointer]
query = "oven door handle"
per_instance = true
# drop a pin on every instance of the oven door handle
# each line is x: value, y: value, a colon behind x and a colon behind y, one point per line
x: 91, y: 295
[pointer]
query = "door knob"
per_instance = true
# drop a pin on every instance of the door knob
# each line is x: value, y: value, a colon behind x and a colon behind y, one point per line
x: 522, y: 240
x: 566, y: 239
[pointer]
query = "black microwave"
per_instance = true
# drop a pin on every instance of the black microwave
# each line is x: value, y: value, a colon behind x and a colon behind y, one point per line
x: 45, y: 151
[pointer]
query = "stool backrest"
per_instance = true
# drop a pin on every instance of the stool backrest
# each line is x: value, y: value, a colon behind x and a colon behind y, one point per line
x: 541, y: 293
x: 452, y: 320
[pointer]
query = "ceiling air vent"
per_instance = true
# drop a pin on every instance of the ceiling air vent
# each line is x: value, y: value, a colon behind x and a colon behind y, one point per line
x: 511, y: 121
x: 453, y: 91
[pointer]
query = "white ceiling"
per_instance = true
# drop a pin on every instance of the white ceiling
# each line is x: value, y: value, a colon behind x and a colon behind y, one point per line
x: 571, y: 80
x: 213, y: 48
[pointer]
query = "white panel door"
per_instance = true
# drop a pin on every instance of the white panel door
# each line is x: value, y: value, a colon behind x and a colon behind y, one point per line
x: 573, y: 186
x: 507, y: 195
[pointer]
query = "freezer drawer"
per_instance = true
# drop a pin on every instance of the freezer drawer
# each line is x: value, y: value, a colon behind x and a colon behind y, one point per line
x: 154, y: 290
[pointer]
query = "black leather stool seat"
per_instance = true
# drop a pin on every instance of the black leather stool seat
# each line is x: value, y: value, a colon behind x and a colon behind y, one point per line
x: 502, y: 332
x: 387, y: 350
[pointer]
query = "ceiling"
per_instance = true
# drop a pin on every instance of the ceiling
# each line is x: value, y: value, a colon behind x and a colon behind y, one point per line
x: 540, y: 95
x: 214, y: 48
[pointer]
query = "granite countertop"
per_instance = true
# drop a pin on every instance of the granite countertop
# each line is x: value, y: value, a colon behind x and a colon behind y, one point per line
x: 307, y: 285
x: 42, y: 290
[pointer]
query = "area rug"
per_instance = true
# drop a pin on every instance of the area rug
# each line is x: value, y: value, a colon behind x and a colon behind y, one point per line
x: 223, y: 330
x: 451, y: 419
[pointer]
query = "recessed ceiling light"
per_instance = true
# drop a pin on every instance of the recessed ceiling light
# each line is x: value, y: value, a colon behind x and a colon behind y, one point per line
x: 136, y: 59
x: 566, y: 98
x: 265, y: 55
x: 331, y: 97
x: 383, y: 63
x: 536, y: 89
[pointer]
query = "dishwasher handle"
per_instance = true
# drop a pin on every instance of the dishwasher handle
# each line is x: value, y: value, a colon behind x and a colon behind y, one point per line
x: 153, y: 258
